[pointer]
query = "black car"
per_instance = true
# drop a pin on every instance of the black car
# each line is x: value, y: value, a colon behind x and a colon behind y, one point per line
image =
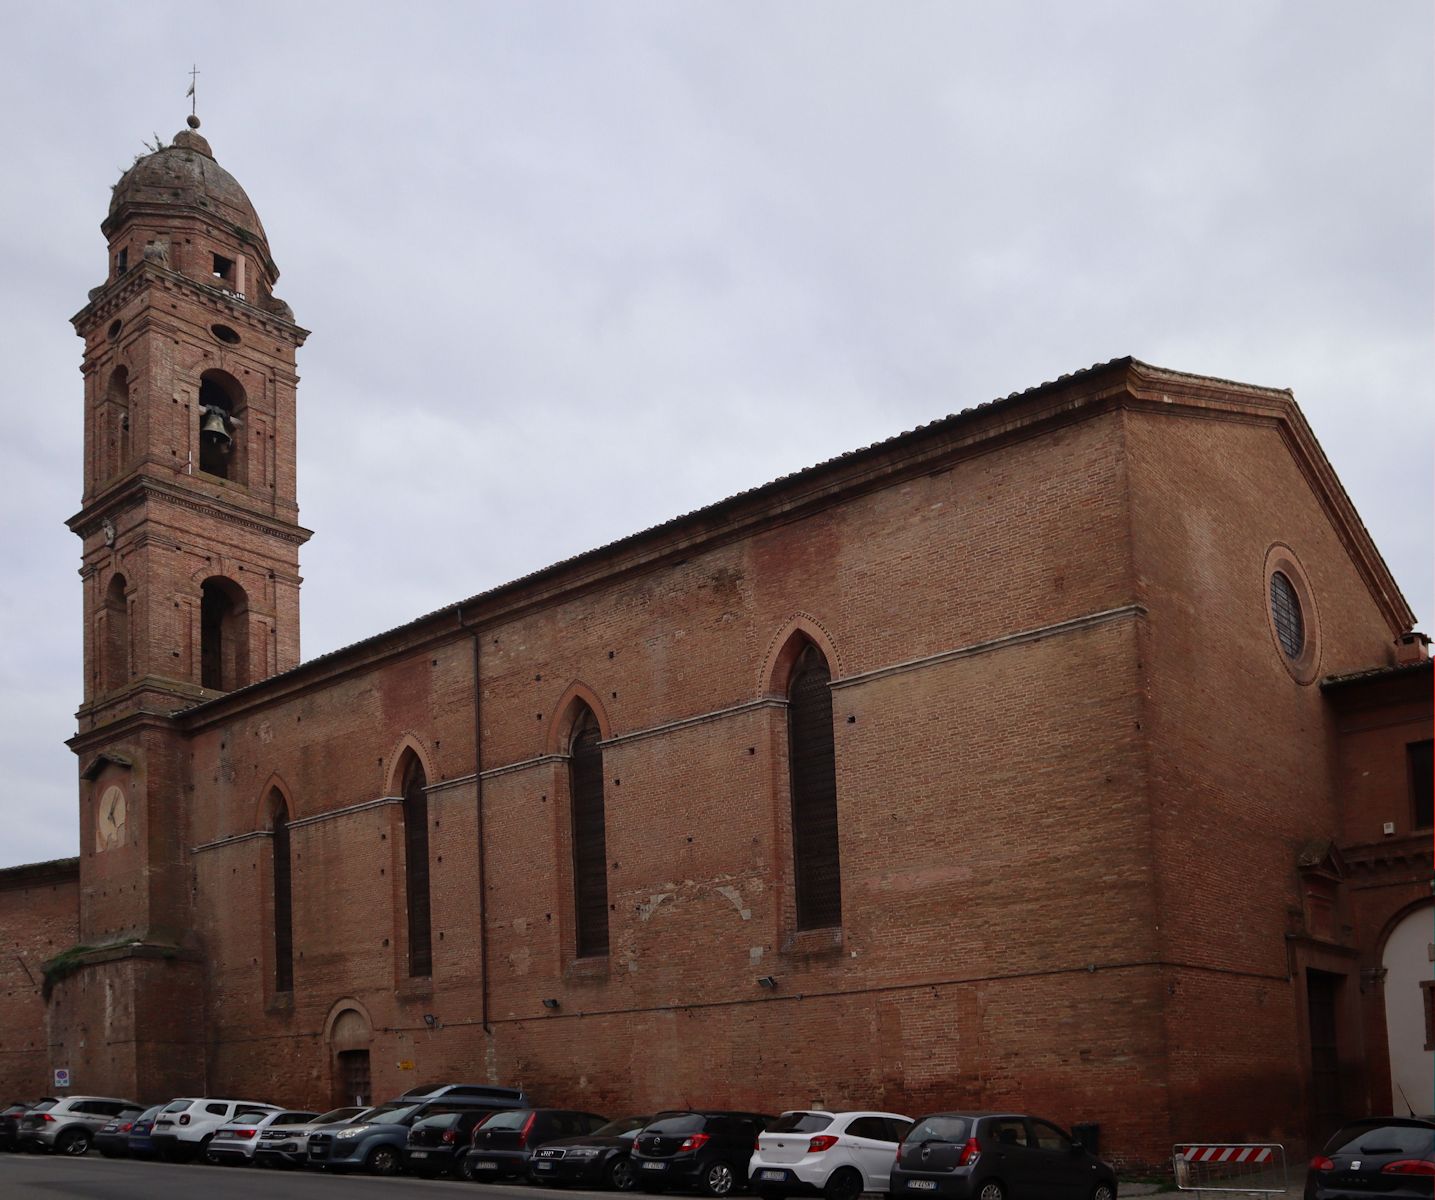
x: 602, y: 1158
x: 708, y: 1150
x: 113, y: 1141
x: 988, y: 1156
x: 10, y: 1122
x: 504, y: 1141
x: 1392, y: 1158
x: 437, y: 1144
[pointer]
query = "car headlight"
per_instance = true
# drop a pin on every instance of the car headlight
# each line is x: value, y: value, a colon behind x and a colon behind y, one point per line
x: 583, y: 1152
x: 352, y: 1131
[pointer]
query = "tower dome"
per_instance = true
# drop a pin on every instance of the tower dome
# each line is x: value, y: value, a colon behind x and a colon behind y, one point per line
x: 184, y: 174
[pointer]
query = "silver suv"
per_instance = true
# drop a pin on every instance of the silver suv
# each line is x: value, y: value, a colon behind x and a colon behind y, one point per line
x: 69, y: 1125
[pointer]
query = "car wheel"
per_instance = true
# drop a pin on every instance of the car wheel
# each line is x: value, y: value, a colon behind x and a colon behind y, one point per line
x: 74, y: 1142
x: 619, y: 1175
x: 845, y: 1184
x: 1103, y: 1191
x: 382, y: 1160
x: 991, y: 1190
x: 719, y: 1179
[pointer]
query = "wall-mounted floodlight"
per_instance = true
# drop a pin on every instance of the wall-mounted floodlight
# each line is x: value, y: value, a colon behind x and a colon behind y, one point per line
x: 550, y: 1004
x: 767, y: 981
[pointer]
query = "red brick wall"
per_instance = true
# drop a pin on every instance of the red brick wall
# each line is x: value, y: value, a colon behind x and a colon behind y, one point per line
x: 38, y: 909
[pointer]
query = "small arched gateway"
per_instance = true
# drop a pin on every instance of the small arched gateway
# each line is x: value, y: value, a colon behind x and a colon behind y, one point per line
x: 350, y: 1035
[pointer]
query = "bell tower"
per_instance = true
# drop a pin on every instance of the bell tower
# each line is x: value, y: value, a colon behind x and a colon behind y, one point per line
x: 189, y: 519
x: 190, y: 569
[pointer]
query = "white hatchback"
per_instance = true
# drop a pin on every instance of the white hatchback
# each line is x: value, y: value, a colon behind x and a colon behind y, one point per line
x: 840, y: 1155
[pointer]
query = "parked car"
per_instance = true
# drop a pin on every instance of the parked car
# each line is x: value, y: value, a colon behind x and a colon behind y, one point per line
x: 288, y: 1145
x: 1389, y: 1157
x: 113, y: 1141
x: 376, y: 1143
x: 708, y: 1150
x: 840, y: 1155
x: 602, y: 1158
x: 988, y: 1156
x: 501, y: 1097
x: 437, y: 1144
x: 184, y: 1127
x: 233, y: 1144
x: 140, y: 1144
x: 69, y: 1125
x: 504, y: 1141
x: 10, y: 1122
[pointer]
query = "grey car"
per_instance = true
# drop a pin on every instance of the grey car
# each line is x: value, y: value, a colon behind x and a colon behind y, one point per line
x: 68, y: 1125
x: 287, y: 1145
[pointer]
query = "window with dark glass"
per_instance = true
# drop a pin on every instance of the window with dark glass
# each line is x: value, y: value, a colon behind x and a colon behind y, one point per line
x: 1285, y: 610
x: 590, y: 851
x: 1422, y: 783
x: 283, y: 902
x: 416, y: 869
x: 813, y: 766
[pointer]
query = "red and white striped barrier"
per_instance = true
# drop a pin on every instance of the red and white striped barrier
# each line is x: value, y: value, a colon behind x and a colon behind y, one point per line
x: 1252, y: 1168
x: 1230, y: 1154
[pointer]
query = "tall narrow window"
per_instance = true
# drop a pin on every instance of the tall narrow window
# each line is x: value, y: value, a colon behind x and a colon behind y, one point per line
x: 221, y: 447
x: 223, y: 635
x: 1422, y: 783
x: 115, y: 452
x: 283, y: 900
x: 416, y: 868
x: 115, y: 669
x: 813, y: 765
x: 590, y: 852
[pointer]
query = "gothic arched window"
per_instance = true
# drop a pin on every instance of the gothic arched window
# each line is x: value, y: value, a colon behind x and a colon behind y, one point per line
x: 221, y: 448
x: 813, y: 765
x: 283, y: 897
x: 416, y: 867
x: 590, y: 853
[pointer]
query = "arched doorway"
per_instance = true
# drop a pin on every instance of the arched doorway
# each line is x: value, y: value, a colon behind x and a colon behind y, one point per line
x: 1410, y: 1011
x: 349, y: 1038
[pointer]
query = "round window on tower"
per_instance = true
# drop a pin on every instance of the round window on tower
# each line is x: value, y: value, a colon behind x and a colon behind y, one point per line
x: 1291, y: 614
x: 114, y: 330
x: 225, y: 334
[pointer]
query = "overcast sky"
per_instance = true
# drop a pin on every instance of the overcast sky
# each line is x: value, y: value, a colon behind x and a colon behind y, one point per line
x: 573, y: 269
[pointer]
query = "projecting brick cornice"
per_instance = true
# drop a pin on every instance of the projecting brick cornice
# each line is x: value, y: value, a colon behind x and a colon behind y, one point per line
x: 140, y: 489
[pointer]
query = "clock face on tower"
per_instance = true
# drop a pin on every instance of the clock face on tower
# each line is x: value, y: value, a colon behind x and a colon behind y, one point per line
x: 110, y: 818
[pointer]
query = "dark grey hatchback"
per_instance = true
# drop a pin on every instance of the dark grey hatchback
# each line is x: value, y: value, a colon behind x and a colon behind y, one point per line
x: 990, y: 1156
x: 1381, y: 1158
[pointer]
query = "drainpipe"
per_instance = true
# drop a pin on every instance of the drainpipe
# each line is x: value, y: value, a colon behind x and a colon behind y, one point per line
x: 478, y: 801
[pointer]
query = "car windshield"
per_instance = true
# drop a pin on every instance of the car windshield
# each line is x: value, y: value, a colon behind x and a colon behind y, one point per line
x: 620, y: 1126
x: 44, y: 1106
x: 675, y: 1123
x: 1371, y: 1139
x: 442, y: 1121
x: 335, y: 1115
x: 800, y: 1122
x: 389, y: 1114
x: 249, y: 1116
x: 512, y: 1118
x: 938, y: 1129
x: 177, y: 1105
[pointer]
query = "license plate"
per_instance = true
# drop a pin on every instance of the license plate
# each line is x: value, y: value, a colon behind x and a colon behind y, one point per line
x: 486, y: 1166
x: 545, y: 1166
x: 654, y: 1166
x: 772, y: 1174
x: 316, y: 1151
x: 924, y: 1185
x: 418, y: 1153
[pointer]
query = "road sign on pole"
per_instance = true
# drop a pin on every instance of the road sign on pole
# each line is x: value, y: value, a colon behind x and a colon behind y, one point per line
x: 62, y: 1077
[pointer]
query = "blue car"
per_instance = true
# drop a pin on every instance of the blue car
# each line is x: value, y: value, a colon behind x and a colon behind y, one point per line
x: 139, y: 1143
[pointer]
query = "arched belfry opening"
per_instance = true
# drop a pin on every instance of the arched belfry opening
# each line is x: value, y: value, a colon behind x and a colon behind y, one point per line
x: 223, y: 635
x: 115, y: 636
x: 219, y: 413
x: 812, y: 764
x: 590, y: 853
x: 283, y: 888
x: 416, y: 864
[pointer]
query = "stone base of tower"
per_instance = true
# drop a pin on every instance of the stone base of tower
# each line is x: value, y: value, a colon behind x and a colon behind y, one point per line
x: 129, y: 1022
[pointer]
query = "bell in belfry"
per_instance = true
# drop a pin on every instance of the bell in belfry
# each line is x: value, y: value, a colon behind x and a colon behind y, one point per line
x: 214, y: 427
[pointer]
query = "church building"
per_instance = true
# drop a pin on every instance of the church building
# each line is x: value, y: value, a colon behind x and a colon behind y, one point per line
x: 1070, y: 753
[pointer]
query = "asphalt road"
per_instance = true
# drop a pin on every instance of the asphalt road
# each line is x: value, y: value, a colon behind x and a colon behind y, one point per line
x: 46, y: 1177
